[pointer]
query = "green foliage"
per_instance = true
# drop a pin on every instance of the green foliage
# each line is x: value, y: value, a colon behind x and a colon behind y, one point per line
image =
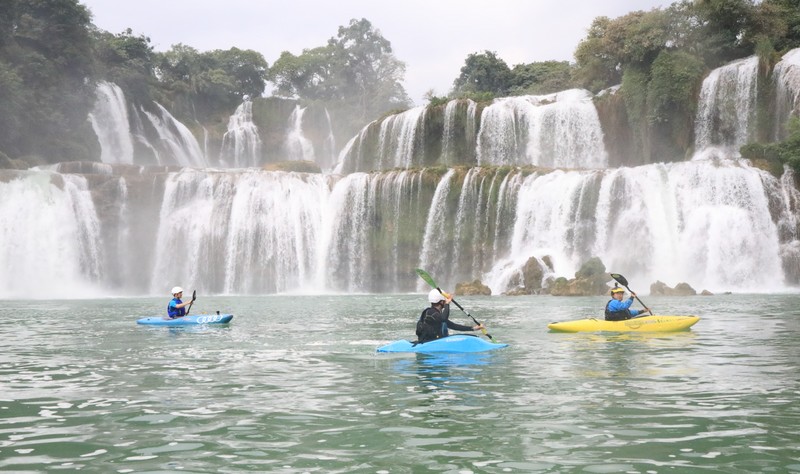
x: 206, y: 84
x: 45, y: 78
x: 671, y: 94
x: 127, y: 61
x: 785, y: 152
x: 356, y: 74
x: 483, y: 73
x: 541, y: 78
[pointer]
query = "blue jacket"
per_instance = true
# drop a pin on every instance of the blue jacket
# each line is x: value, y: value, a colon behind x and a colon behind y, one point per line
x: 620, y: 310
x: 174, y: 312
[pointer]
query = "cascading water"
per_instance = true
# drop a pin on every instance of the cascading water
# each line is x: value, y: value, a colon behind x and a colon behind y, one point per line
x: 109, y: 119
x: 726, y: 109
x: 298, y: 147
x: 178, y: 141
x: 241, y: 145
x: 787, y: 91
x: 706, y: 222
x: 397, y: 146
x: 239, y: 232
x: 49, y: 236
x: 559, y: 130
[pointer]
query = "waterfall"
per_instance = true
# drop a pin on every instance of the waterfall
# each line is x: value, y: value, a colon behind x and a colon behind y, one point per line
x: 329, y: 146
x: 178, y: 141
x: 726, y: 108
x: 559, y: 130
x: 49, y: 236
x: 374, y: 225
x: 708, y: 223
x: 298, y: 147
x: 787, y: 91
x: 720, y: 225
x: 238, y: 232
x: 109, y: 119
x: 241, y: 145
x: 397, y: 146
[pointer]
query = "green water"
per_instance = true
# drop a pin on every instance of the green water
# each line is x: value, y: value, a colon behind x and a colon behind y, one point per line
x: 293, y: 385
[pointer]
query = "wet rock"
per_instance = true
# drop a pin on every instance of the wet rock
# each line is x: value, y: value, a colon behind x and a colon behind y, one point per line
x: 475, y: 287
x: 662, y: 289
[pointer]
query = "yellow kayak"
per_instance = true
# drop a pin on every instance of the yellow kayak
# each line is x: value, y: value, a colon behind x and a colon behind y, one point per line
x: 641, y: 324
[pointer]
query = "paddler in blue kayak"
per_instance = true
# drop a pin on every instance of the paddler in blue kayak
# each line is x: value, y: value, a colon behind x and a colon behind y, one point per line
x: 619, y: 310
x: 434, y: 321
x: 177, y: 308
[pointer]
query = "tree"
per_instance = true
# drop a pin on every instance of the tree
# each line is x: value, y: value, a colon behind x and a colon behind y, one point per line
x: 46, y: 75
x: 210, y: 83
x: 541, y: 78
x: 483, y: 72
x: 355, y: 74
x: 127, y: 60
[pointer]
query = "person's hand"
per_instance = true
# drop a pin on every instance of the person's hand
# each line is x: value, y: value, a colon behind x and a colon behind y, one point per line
x: 447, y: 297
x: 478, y: 327
x: 633, y: 295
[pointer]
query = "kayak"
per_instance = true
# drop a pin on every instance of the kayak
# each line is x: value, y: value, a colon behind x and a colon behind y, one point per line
x: 640, y: 324
x: 455, y: 343
x: 190, y: 320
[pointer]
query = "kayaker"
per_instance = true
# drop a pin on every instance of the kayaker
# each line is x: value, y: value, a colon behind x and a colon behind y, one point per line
x: 434, y: 321
x: 619, y: 310
x: 177, y: 308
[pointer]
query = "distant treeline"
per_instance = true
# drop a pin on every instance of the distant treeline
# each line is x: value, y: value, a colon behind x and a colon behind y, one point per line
x: 52, y: 56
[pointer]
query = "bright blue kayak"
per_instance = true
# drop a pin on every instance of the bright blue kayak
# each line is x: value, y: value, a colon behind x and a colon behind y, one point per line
x: 190, y: 320
x: 455, y: 343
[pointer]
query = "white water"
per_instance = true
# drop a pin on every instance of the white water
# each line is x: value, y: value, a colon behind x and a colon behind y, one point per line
x: 717, y: 225
x: 726, y: 108
x: 397, y: 146
x: 787, y: 91
x: 176, y: 139
x: 241, y: 145
x: 559, y: 130
x: 49, y: 237
x: 298, y: 147
x: 109, y: 119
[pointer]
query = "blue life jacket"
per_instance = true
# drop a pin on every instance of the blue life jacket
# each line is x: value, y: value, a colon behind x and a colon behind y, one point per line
x: 174, y: 312
x: 620, y: 315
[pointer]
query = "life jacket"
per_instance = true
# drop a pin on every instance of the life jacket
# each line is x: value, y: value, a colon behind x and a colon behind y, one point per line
x: 174, y: 312
x: 620, y: 315
x: 428, y: 328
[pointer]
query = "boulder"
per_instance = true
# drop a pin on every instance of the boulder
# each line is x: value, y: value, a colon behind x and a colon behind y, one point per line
x: 681, y: 289
x: 475, y: 287
x: 590, y: 280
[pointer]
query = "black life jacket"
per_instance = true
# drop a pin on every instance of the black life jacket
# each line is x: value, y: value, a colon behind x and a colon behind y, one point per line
x: 621, y: 315
x: 428, y: 327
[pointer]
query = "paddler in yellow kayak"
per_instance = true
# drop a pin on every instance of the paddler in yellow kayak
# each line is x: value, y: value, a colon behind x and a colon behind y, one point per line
x: 619, y: 310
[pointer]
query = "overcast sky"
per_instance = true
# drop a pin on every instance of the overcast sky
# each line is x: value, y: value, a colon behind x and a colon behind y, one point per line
x: 433, y: 37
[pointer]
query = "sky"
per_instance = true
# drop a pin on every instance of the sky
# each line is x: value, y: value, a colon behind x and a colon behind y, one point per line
x: 433, y: 37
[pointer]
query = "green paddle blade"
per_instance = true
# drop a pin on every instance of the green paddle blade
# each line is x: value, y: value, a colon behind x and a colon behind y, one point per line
x: 425, y: 276
x: 621, y: 279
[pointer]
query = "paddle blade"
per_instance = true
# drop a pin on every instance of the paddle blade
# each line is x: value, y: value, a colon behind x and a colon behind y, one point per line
x: 619, y: 278
x: 425, y: 276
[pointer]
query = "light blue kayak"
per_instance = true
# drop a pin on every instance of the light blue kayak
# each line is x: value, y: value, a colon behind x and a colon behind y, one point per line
x: 455, y: 343
x: 190, y: 320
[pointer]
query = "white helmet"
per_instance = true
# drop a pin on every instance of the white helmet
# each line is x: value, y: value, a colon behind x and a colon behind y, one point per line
x: 177, y: 290
x: 434, y: 296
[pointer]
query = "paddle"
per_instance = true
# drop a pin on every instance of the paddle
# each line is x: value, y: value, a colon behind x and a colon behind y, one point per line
x: 429, y: 280
x: 622, y: 281
x: 194, y: 297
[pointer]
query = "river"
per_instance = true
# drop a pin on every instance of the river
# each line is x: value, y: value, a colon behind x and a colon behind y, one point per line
x: 293, y: 385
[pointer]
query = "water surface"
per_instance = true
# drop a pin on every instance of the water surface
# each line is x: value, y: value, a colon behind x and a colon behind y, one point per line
x: 293, y: 385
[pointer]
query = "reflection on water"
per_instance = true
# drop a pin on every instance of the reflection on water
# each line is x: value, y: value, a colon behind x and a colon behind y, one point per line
x: 82, y: 387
